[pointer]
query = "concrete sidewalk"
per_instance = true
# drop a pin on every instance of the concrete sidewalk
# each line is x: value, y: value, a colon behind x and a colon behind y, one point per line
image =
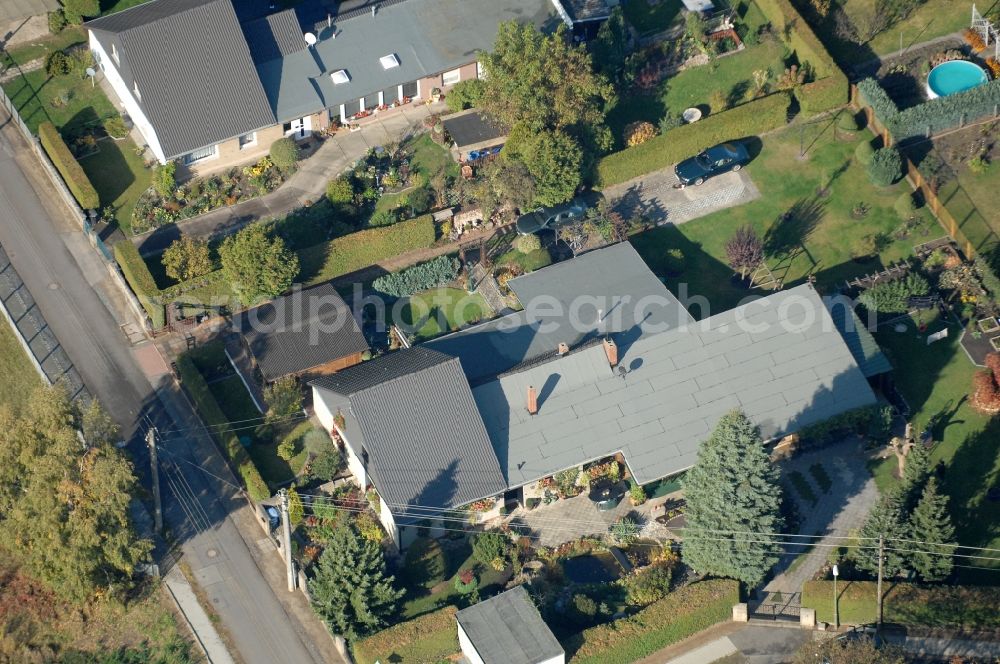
x: 199, y: 622
x: 307, y: 184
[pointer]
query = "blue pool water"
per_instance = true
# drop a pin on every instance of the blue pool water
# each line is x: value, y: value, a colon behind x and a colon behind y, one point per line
x: 956, y: 76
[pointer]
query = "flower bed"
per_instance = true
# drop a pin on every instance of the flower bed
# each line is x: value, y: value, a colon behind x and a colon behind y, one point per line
x: 205, y: 194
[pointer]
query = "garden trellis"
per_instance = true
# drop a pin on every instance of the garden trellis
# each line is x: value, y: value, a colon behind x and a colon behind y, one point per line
x: 986, y: 30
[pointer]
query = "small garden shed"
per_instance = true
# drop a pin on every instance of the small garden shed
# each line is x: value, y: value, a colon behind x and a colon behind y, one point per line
x: 474, y: 137
x: 507, y: 629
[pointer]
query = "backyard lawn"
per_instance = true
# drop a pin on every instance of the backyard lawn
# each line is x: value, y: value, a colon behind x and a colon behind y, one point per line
x: 120, y: 177
x: 434, y: 312
x: 23, y: 53
x: 69, y: 102
x: 529, y: 262
x: 429, y: 575
x: 804, y: 233
x: 935, y: 380
x: 19, y: 378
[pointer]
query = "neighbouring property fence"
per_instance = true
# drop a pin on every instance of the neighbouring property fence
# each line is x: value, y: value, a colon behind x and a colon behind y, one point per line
x: 970, y: 230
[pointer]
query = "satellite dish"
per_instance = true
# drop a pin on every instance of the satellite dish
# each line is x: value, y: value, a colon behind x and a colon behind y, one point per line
x: 91, y: 72
x: 310, y: 38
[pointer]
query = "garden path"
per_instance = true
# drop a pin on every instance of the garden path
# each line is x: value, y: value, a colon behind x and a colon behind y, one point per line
x: 308, y: 183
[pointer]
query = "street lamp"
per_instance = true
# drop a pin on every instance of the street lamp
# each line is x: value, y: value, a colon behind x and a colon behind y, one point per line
x: 836, y: 604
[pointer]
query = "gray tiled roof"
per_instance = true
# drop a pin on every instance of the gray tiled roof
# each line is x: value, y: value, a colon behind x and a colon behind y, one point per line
x: 865, y: 349
x: 427, y: 36
x: 586, y: 10
x: 614, y: 279
x: 780, y: 359
x: 471, y: 127
x: 507, y: 629
x: 197, y: 81
x: 300, y: 331
x: 414, y: 415
x: 274, y: 36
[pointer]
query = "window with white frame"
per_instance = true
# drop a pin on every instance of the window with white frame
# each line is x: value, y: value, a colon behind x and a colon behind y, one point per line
x: 248, y: 140
x: 201, y: 155
x: 451, y: 77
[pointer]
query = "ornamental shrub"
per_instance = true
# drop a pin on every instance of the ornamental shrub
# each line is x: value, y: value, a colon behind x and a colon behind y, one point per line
x: 431, y: 274
x: 165, y: 179
x: 340, y: 191
x: 638, y: 133
x: 864, y: 152
x: 649, y: 585
x: 116, y: 127
x: 284, y: 153
x: 57, y: 64
x: 893, y: 296
x: 489, y: 546
x: 847, y: 122
x: 57, y: 21
x: 527, y: 243
x: 885, y: 167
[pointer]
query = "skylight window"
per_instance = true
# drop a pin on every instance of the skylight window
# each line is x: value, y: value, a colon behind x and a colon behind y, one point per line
x: 389, y: 61
x: 340, y: 76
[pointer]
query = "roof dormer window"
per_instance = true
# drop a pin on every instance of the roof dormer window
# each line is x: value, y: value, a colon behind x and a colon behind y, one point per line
x: 340, y: 76
x: 389, y: 61
x: 135, y: 90
x: 114, y: 53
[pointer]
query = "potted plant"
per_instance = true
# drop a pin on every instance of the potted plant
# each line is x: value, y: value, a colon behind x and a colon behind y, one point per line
x: 435, y: 95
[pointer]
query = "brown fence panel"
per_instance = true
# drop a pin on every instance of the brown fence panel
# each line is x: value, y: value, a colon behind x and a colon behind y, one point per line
x: 940, y: 211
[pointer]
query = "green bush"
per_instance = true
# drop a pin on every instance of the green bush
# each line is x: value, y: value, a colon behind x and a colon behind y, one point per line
x: 677, y: 616
x: 165, y: 179
x: 64, y: 161
x: 934, y: 115
x: 116, y: 127
x: 431, y: 274
x: 885, y: 167
x: 464, y: 94
x: 57, y: 21
x: 429, y: 638
x: 57, y: 63
x: 221, y: 429
x: 340, y: 191
x: 674, y: 261
x: 904, y: 206
x: 284, y: 153
x: 138, y: 276
x: 649, y: 585
x: 748, y: 119
x: 527, y: 243
x: 988, y: 277
x: 951, y: 607
x: 826, y: 431
x: 846, y: 121
x: 343, y: 255
x: 892, y: 296
x: 489, y: 547
x: 864, y: 152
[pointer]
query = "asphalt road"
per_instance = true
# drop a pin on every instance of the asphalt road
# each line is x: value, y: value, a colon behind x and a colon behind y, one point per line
x: 71, y: 287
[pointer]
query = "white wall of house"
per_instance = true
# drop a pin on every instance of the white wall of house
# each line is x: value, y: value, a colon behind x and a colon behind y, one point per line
x: 124, y: 92
x: 389, y: 523
x: 467, y: 648
x: 325, y: 414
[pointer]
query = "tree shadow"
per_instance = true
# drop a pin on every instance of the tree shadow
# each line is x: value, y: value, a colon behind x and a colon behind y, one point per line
x: 789, y: 232
x: 738, y: 93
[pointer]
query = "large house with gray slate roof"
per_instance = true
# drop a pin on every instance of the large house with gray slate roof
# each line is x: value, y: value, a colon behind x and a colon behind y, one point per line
x: 439, y: 426
x: 215, y: 82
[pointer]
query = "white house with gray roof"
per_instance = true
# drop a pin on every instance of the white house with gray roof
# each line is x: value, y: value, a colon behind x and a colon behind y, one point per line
x: 430, y: 435
x: 210, y: 82
x: 507, y: 629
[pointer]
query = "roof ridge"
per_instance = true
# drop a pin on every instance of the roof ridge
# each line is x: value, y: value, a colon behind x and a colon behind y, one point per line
x: 413, y: 370
x: 145, y: 5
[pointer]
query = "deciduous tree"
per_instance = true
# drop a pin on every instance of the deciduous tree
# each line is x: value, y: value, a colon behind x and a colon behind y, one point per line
x: 257, y: 266
x: 284, y: 399
x: 732, y: 488
x: 553, y: 158
x: 351, y: 590
x: 744, y: 250
x: 187, y: 258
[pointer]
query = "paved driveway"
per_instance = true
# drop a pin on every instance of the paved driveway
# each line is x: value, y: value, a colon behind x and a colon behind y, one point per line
x: 653, y: 196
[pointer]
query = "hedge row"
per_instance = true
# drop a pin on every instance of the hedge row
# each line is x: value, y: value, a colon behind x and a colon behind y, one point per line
x: 429, y: 638
x: 67, y: 165
x: 362, y: 249
x: 221, y: 429
x: 678, y: 615
x: 137, y: 274
x: 431, y: 274
x: 935, y: 115
x: 831, y: 89
x: 954, y: 607
x: 750, y: 119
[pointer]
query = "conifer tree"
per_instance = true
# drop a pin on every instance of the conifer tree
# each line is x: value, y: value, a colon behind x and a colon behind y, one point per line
x: 915, y: 473
x: 885, y: 519
x: 351, y: 590
x: 931, y: 526
x: 733, y: 488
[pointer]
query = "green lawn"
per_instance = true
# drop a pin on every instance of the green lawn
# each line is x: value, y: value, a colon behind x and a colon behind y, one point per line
x: 19, y: 376
x: 971, y: 200
x: 69, y: 102
x: 731, y: 75
x: 935, y: 380
x: 816, y: 236
x: 23, y: 53
x: 275, y: 469
x: 120, y: 177
x: 438, y: 311
x: 423, y: 595
x: 650, y: 17
x: 112, y: 6
x: 529, y: 262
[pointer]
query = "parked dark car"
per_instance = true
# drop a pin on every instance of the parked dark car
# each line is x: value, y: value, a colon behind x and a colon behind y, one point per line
x: 721, y: 158
x: 551, y: 218
x: 273, y: 517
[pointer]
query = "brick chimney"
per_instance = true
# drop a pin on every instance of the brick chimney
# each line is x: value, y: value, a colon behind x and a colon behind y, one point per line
x: 563, y: 348
x: 611, y: 350
x: 532, y: 400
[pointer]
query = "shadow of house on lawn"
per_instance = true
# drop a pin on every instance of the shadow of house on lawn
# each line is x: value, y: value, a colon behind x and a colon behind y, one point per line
x: 108, y: 171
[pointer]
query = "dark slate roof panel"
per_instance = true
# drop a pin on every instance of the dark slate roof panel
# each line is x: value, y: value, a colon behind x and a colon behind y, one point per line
x: 586, y: 10
x: 865, y: 349
x: 274, y: 36
x: 469, y: 128
x: 300, y: 331
x: 508, y: 629
x: 193, y: 69
x: 387, y: 367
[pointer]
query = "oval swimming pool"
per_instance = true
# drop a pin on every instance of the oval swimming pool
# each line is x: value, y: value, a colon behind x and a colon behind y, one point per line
x: 949, y: 78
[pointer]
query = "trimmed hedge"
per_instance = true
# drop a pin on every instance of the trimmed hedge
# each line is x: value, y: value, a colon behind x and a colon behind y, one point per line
x: 750, y: 119
x: 677, y: 616
x: 221, y: 429
x: 935, y: 115
x: 343, y: 255
x: 429, y: 638
x: 433, y: 273
x: 67, y: 165
x: 953, y: 607
x: 137, y: 274
x: 831, y: 89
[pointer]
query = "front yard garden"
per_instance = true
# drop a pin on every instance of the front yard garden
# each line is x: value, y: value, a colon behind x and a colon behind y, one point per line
x: 120, y: 177
x: 20, y: 378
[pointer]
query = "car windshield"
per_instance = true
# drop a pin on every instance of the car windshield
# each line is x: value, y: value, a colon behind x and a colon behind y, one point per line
x: 703, y: 160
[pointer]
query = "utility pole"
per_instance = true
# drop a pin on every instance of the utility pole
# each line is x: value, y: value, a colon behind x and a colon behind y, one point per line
x: 286, y: 539
x: 881, y: 558
x: 155, y: 468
